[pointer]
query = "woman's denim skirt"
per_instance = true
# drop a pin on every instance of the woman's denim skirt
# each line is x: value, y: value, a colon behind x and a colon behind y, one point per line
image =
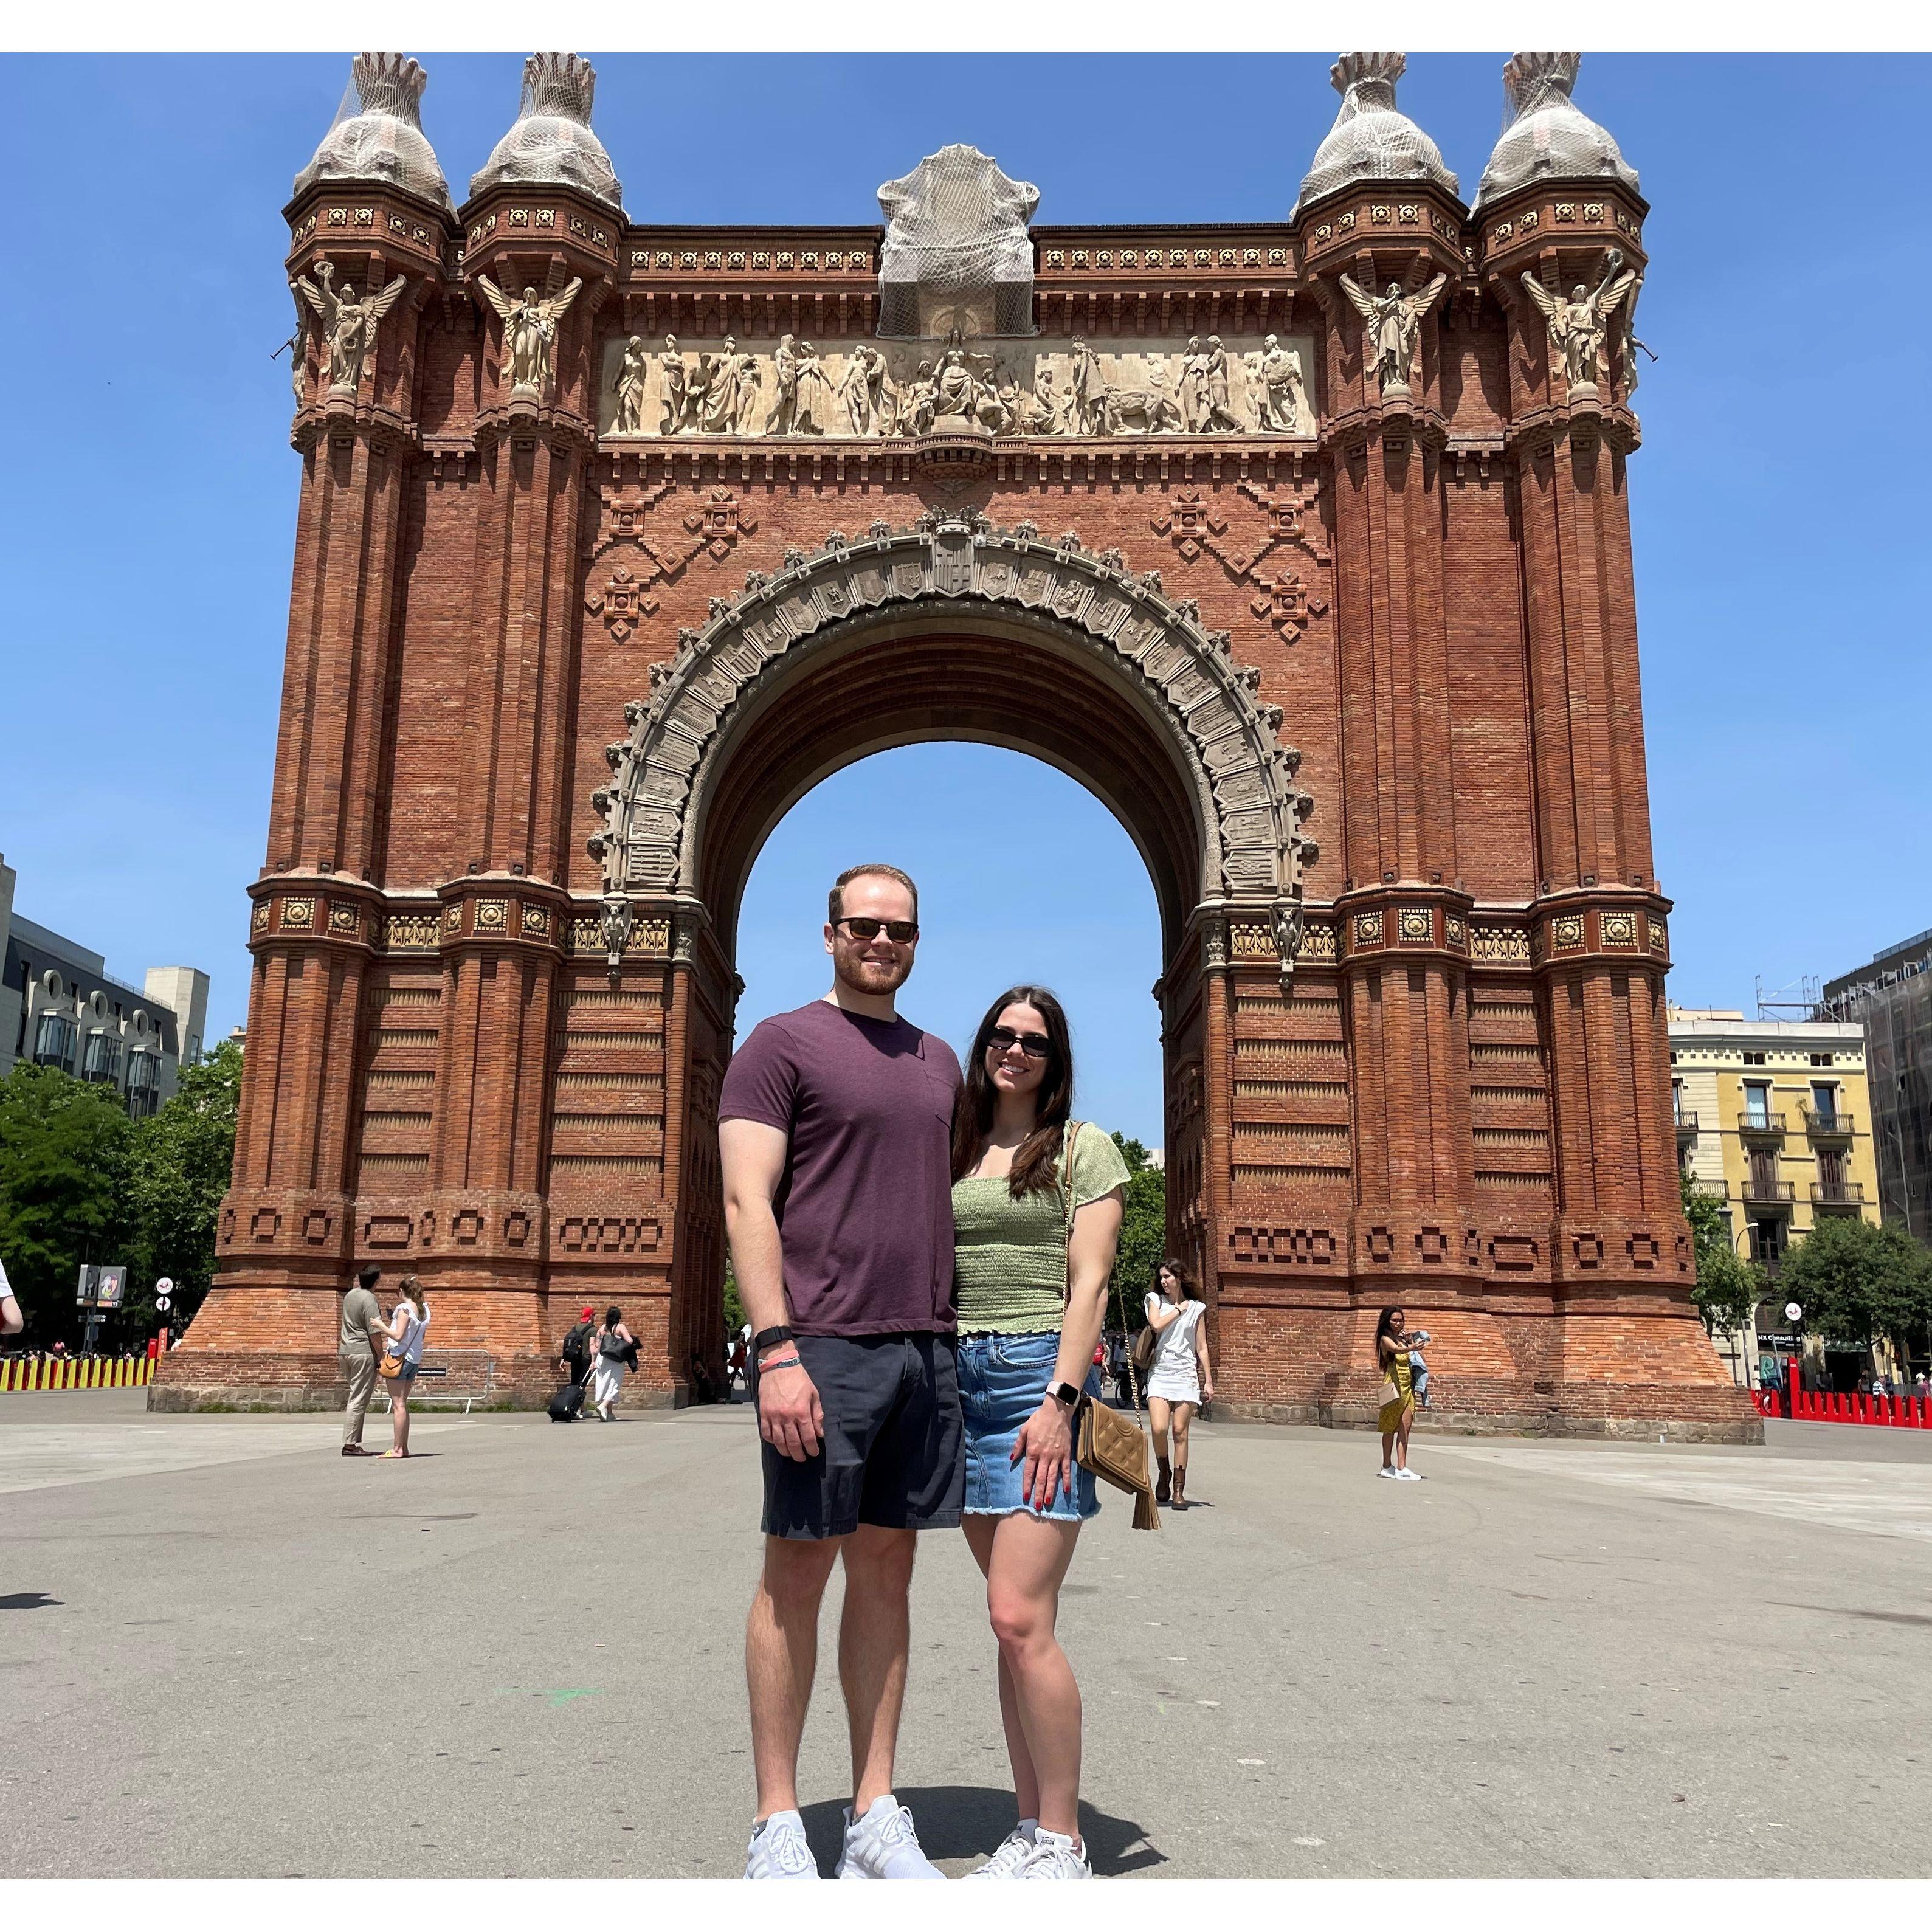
x: 1002, y: 1379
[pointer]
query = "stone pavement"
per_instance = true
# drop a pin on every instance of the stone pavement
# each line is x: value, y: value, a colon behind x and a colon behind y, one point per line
x: 224, y: 1650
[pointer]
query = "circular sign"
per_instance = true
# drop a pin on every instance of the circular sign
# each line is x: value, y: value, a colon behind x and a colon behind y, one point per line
x: 162, y: 1304
x: 165, y: 1286
x: 1792, y: 1312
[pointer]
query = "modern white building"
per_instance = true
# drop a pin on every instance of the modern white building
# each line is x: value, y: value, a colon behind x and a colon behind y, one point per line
x: 60, y: 1006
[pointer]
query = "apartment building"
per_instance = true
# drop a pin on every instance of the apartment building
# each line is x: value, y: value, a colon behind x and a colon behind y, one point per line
x: 1774, y: 1122
x: 60, y: 1006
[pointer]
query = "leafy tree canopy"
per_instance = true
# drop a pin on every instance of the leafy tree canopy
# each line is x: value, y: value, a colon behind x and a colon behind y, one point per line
x: 1143, y: 1232
x: 177, y: 1173
x: 1858, y: 1282
x: 63, y: 1150
x: 1727, y: 1287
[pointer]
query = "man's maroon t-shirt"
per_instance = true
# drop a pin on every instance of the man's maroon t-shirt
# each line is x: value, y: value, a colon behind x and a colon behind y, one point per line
x: 865, y: 1207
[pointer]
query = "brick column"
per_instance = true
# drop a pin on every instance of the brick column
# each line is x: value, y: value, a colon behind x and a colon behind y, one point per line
x: 506, y: 911
x: 286, y: 1237
x: 1627, y: 1338
x: 1402, y: 933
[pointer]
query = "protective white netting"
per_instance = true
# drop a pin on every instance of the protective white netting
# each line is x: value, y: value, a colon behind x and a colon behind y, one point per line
x: 1548, y: 136
x: 957, y: 255
x: 376, y: 135
x: 550, y: 142
x: 1372, y: 140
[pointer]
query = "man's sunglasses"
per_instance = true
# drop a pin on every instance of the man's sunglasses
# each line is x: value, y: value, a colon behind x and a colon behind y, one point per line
x: 1034, y: 1045
x: 900, y: 931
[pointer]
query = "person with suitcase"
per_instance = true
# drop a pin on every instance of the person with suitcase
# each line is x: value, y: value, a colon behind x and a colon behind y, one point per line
x: 576, y: 1362
x: 567, y: 1405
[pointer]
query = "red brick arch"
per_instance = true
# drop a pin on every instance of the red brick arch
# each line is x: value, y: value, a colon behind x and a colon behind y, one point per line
x: 954, y: 629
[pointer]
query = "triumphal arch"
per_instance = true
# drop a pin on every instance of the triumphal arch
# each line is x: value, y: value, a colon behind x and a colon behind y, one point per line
x: 1304, y: 543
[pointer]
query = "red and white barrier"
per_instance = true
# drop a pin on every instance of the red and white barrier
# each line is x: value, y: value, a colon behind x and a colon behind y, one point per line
x: 22, y: 1374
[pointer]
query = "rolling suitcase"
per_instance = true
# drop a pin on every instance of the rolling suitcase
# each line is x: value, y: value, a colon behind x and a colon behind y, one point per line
x: 568, y: 1403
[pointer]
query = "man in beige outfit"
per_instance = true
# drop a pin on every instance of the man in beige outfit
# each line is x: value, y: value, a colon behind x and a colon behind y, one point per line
x: 363, y: 1333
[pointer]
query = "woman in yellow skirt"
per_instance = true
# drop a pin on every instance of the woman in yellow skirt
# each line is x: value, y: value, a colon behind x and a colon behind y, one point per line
x: 1398, y: 1410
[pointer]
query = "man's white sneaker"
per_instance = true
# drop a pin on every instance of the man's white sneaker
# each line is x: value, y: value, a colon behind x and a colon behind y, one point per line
x: 1055, y: 1856
x: 1407, y: 1476
x: 1006, y: 1862
x: 778, y: 1849
x: 1387, y: 1469
x: 883, y: 1844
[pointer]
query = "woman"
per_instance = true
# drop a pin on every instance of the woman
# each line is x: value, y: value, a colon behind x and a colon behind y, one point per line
x: 407, y: 1325
x: 614, y: 1343
x: 1398, y: 1411
x: 1182, y: 1376
x: 1032, y: 1295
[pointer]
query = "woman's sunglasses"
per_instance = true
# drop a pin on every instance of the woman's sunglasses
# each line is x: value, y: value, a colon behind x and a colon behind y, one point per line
x: 1034, y: 1045
x: 900, y: 931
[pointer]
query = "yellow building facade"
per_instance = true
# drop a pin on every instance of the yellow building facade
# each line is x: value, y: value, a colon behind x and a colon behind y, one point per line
x: 1774, y: 1122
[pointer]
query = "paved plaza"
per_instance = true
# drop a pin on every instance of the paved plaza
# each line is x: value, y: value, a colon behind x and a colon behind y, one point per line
x: 225, y: 1651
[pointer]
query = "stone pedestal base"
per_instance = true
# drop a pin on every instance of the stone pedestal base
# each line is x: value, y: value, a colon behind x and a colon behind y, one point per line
x: 273, y: 1349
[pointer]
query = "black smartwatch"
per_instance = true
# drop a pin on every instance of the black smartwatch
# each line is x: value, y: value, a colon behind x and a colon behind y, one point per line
x: 769, y: 1338
x: 1065, y: 1393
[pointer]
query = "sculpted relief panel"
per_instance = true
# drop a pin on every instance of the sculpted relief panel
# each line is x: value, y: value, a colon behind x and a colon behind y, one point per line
x: 1195, y: 386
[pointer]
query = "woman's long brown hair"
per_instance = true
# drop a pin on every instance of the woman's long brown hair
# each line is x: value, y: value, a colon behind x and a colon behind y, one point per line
x: 1036, y: 1157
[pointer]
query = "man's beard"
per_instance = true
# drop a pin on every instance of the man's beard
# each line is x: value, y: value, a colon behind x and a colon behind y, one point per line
x: 872, y: 976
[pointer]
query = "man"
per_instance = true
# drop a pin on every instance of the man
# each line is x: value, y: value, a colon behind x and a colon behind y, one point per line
x: 359, y: 1345
x: 835, y: 1128
x: 12, y: 1321
x: 576, y: 1362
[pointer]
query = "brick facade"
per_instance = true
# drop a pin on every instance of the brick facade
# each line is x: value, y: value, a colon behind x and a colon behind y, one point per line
x: 1458, y: 1099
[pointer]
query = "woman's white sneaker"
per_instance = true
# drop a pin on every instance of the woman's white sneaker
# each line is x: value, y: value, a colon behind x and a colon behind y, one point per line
x: 883, y: 1844
x: 778, y: 1849
x: 1054, y: 1856
x: 1006, y: 1862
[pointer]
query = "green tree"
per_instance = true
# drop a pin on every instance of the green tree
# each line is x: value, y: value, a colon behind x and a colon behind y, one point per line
x: 734, y: 1306
x: 1143, y: 1231
x: 1727, y: 1288
x: 1859, y: 1283
x: 178, y: 1171
x: 64, y: 1149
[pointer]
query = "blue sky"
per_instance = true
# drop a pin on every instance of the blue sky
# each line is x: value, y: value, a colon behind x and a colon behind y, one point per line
x: 147, y: 507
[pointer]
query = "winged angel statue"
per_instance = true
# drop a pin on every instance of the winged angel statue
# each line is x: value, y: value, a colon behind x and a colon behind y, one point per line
x: 530, y: 329
x: 1579, y: 328
x: 1393, y: 322
x: 348, y: 326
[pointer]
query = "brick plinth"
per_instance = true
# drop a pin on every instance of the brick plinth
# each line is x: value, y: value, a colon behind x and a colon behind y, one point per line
x: 516, y: 803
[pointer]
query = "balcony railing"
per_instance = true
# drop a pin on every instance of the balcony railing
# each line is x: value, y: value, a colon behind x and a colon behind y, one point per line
x: 1764, y: 1126
x: 1848, y: 1196
x: 1710, y: 1190
x: 1687, y: 1125
x: 1832, y: 1126
x: 1769, y: 1193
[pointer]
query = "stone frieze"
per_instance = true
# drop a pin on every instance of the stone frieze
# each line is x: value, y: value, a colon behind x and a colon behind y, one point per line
x: 742, y: 386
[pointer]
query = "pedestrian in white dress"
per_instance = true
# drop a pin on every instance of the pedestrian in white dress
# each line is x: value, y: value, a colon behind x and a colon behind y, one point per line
x: 614, y: 1343
x: 1181, y: 1374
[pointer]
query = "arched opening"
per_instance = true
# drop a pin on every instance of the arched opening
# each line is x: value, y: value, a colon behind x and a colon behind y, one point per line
x: 1024, y: 875
x: 954, y: 631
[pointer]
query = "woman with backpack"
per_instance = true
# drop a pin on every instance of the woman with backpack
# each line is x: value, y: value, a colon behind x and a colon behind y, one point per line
x: 1182, y: 1377
x: 576, y: 1344
x: 615, y: 1348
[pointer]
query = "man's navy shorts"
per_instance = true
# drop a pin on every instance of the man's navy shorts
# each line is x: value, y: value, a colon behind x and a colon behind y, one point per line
x: 894, y: 1449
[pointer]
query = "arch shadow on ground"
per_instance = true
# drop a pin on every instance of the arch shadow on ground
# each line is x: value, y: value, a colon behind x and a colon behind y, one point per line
x: 967, y: 1821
